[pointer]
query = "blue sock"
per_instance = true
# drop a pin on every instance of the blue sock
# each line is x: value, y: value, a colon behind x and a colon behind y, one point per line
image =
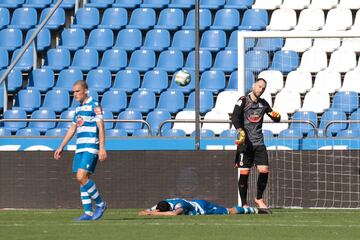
x: 242, y: 210
x: 93, y: 192
x: 86, y: 201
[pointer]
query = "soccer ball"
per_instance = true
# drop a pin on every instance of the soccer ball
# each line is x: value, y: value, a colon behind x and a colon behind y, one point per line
x: 182, y: 78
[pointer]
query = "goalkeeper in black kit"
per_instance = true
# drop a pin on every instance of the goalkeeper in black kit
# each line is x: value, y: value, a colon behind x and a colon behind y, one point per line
x: 248, y: 118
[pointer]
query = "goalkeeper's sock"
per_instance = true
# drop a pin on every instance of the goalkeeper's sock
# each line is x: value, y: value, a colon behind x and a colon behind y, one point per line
x: 243, y: 186
x: 261, y: 184
x: 93, y: 192
x: 86, y: 201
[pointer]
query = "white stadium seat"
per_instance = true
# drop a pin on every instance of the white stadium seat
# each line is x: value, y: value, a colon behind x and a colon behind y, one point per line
x: 297, y: 44
x: 274, y: 79
x: 316, y: 101
x: 187, y: 127
x: 351, y: 43
x: 298, y: 81
x: 311, y: 20
x: 327, y: 44
x: 338, y: 19
x: 295, y: 4
x: 217, y: 128
x: 282, y: 19
x: 286, y: 101
x: 323, y: 4
x: 351, y: 4
x: 226, y: 101
x: 351, y: 81
x: 313, y: 60
x: 267, y: 4
x: 327, y: 81
x: 342, y: 60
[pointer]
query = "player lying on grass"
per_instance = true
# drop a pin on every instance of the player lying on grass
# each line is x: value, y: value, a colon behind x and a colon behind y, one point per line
x: 179, y: 206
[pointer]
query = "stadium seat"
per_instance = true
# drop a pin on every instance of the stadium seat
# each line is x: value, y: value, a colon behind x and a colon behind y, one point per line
x: 155, y: 80
x: 327, y: 44
x: 114, y: 18
x: 4, y: 132
x: 213, y: 40
x: 295, y: 4
x: 142, y: 101
x: 67, y: 114
x: 72, y: 38
x: 26, y: 62
x: 42, y: 114
x: 57, y: 100
x: 297, y: 44
x: 157, y: 4
x: 332, y: 115
x: 256, y: 60
x: 155, y: 118
x: 114, y: 100
x: 229, y: 133
x: 298, y: 81
x: 286, y: 101
x: 14, y: 114
x: 43, y: 39
x: 226, y: 60
x: 290, y: 133
x: 14, y: 80
x: 85, y: 59
x: 254, y: 20
x: 56, y: 132
x: 36, y: 3
x: 4, y: 17
x: 114, y: 60
x: 206, y: 101
x: 303, y: 126
x: 173, y: 133
x: 100, y: 39
x: 351, y: 44
x: 115, y: 132
x: 351, y: 81
x: 226, y: 19
x: 183, y: 40
x: 342, y: 60
x: 267, y: 97
x: 185, y: 89
x: 4, y: 58
x: 28, y: 132
x: 356, y: 24
x: 142, y: 60
x: 42, y: 79
x: 11, y: 38
x: 170, y: 60
x: 157, y: 40
x: 234, y: 81
x: 141, y: 133
x: 67, y: 4
x: 233, y: 42
x: 313, y: 60
x: 23, y: 18
x: 217, y: 128
x: 205, y: 61
x: 28, y: 100
x: 212, y: 4
x: 338, y: 19
x: 90, y: 92
x: 348, y: 133
x: 204, y: 133
x: 213, y: 81
x: 185, y: 115
x: 127, y: 80
x: 184, y: 4
x: 67, y: 78
x: 226, y: 101
x: 355, y: 116
x: 171, y: 101
x: 267, y: 4
x: 316, y: 101
x: 205, y: 19
x: 99, y: 3
x: 170, y: 18
x: 128, y: 39
x: 282, y: 19
x: 269, y: 44
x: 347, y: 101
x: 57, y: 59
x: 56, y: 20
x: 350, y: 4
x: 129, y: 127
x: 142, y: 18
x: 86, y: 18
x: 99, y: 80
x: 11, y: 3
x: 285, y: 61
x: 326, y: 5
x: 239, y: 4
x: 108, y: 115
x: 275, y: 127
x: 127, y: 3
x: 327, y: 81
x: 312, y: 19
x: 274, y: 79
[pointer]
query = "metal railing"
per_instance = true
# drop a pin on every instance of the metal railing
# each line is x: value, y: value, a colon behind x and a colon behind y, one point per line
x: 338, y: 121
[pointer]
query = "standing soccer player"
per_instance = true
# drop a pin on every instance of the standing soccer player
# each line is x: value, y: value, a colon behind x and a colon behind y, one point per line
x: 247, y: 118
x: 90, y: 146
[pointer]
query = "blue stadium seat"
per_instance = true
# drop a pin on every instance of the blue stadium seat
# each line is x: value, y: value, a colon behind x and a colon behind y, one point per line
x: 170, y: 60
x: 346, y: 101
x: 4, y: 132
x: 142, y: 101
x: 115, y: 132
x: 185, y: 4
x: 157, y: 4
x: 114, y: 100
x: 233, y: 42
x: 213, y: 81
x: 141, y: 133
x: 26, y: 62
x: 99, y: 3
x: 67, y: 4
x: 100, y: 39
x: 11, y: 38
x: 205, y: 19
x: 157, y: 40
x: 85, y: 59
x: 4, y: 58
x: 127, y: 3
x: 43, y: 39
x: 28, y: 100
x: 72, y: 38
x: 212, y: 4
x: 114, y: 18
x: 204, y: 133
x: 92, y: 93
x: 23, y: 18
x: 57, y: 59
x: 269, y: 44
x: 14, y: 114
x: 226, y: 60
x: 56, y: 132
x: 205, y: 60
x: 173, y: 133
x: 171, y: 101
x: 233, y: 81
x: 185, y: 89
x: 206, y: 101
x: 36, y: 3
x: 57, y: 100
x: 142, y: 18
x: 170, y: 18
x: 42, y: 114
x: 290, y: 133
x: 213, y: 40
x: 11, y: 3
x: 68, y: 77
x: 229, y: 133
x: 114, y: 60
x: 99, y: 80
x: 305, y: 128
x: 28, y: 132
x: 254, y: 20
x: 355, y: 116
x: 108, y: 115
x: 256, y: 60
x: 4, y: 17
x: 128, y: 39
x: 142, y: 60
x: 86, y: 18
x: 57, y: 19
x: 155, y: 118
x: 155, y: 80
x: 183, y: 40
x: 226, y: 19
x: 285, y: 61
x: 67, y: 114
x: 349, y: 133
x: 239, y: 4
x: 127, y: 80
x: 14, y: 80
x: 330, y: 115
x: 267, y: 133
x: 42, y: 79
x: 129, y: 127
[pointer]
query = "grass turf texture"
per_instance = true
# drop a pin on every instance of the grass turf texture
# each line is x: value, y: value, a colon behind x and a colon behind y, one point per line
x: 125, y: 224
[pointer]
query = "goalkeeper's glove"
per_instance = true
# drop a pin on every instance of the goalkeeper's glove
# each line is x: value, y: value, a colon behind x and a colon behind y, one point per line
x: 275, y: 115
x: 240, y: 137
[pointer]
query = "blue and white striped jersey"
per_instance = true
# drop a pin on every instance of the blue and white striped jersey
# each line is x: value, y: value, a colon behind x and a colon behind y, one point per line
x: 87, y: 133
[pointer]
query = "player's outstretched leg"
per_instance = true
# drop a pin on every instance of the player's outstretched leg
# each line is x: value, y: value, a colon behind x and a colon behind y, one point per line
x: 86, y: 202
x: 95, y: 195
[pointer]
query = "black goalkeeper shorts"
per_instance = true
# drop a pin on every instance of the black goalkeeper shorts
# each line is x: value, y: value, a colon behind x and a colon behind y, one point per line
x: 254, y: 155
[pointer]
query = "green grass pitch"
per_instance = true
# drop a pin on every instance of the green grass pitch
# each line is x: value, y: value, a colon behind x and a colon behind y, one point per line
x: 324, y: 224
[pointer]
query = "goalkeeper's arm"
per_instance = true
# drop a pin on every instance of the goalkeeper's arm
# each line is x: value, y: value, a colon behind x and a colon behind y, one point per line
x: 274, y: 115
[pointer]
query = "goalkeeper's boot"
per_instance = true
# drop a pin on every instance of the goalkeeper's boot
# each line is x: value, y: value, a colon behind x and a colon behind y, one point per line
x: 84, y: 217
x: 99, y: 211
